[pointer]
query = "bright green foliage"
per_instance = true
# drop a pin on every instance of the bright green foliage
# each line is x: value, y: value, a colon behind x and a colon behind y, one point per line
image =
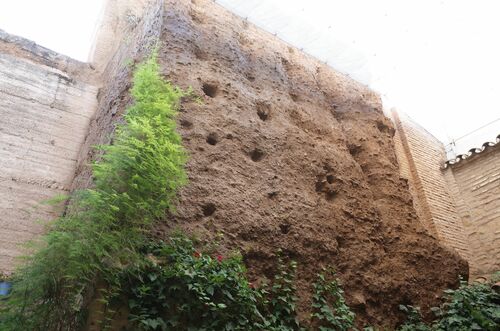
x: 135, y: 182
x: 330, y: 311
x: 470, y: 307
x: 144, y: 166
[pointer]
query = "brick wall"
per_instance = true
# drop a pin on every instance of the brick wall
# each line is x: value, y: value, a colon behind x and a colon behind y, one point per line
x: 421, y: 157
x: 475, y: 184
x: 460, y: 204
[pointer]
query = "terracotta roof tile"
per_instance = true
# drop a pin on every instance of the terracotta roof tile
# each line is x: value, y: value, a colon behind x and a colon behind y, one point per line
x: 473, y: 151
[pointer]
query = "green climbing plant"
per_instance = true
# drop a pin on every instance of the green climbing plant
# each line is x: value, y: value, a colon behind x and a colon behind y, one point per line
x: 281, y: 302
x: 135, y: 182
x: 473, y: 306
x: 330, y: 311
x: 177, y: 287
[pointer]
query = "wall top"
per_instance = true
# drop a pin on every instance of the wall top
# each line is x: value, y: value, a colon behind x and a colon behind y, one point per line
x: 24, y: 48
x: 489, y: 145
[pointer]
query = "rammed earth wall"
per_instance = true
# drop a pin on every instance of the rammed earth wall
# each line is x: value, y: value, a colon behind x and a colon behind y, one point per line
x: 46, y: 103
x: 285, y: 153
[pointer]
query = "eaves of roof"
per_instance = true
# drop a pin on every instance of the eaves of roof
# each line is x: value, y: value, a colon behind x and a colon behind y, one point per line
x: 472, y: 152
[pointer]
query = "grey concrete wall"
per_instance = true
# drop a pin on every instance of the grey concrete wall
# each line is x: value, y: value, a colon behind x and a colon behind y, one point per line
x: 46, y: 103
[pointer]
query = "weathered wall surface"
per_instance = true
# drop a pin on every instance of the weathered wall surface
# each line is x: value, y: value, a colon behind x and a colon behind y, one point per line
x: 116, y: 75
x: 46, y: 102
x: 421, y: 157
x: 460, y: 204
x: 285, y: 154
x: 118, y: 19
x: 476, y: 183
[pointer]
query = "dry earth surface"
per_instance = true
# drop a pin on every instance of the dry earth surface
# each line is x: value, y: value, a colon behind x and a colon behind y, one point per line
x: 285, y: 154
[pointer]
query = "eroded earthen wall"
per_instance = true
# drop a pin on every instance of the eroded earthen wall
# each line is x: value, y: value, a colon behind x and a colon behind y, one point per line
x: 118, y: 20
x: 46, y: 103
x: 287, y: 154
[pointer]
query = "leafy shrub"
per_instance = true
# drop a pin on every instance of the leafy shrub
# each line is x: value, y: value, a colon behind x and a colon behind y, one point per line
x: 135, y: 181
x: 176, y: 287
x: 330, y: 311
x: 474, y: 307
x: 470, y: 307
x: 413, y: 319
x: 281, y: 299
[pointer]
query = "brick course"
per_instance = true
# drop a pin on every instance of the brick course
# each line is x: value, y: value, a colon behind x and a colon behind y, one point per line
x: 460, y: 204
x: 476, y: 185
x: 421, y: 156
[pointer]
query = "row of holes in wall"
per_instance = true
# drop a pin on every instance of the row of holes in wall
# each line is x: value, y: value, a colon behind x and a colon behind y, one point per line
x: 211, y: 90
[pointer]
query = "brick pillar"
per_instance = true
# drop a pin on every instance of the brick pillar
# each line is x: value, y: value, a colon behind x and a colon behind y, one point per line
x: 421, y: 157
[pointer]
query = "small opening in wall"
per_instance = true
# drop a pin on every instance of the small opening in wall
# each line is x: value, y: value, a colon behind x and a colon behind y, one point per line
x: 210, y: 90
x: 212, y: 139
x: 285, y: 228
x: 256, y: 155
x: 208, y: 209
x: 186, y: 123
x: 263, y: 111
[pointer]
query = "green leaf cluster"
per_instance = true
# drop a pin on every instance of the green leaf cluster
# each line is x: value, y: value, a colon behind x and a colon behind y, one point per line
x: 470, y: 307
x: 280, y: 303
x: 330, y: 311
x: 135, y: 182
x: 176, y: 287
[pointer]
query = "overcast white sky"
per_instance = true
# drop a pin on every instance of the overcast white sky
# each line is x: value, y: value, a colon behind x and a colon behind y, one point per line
x: 65, y: 26
x: 436, y: 60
